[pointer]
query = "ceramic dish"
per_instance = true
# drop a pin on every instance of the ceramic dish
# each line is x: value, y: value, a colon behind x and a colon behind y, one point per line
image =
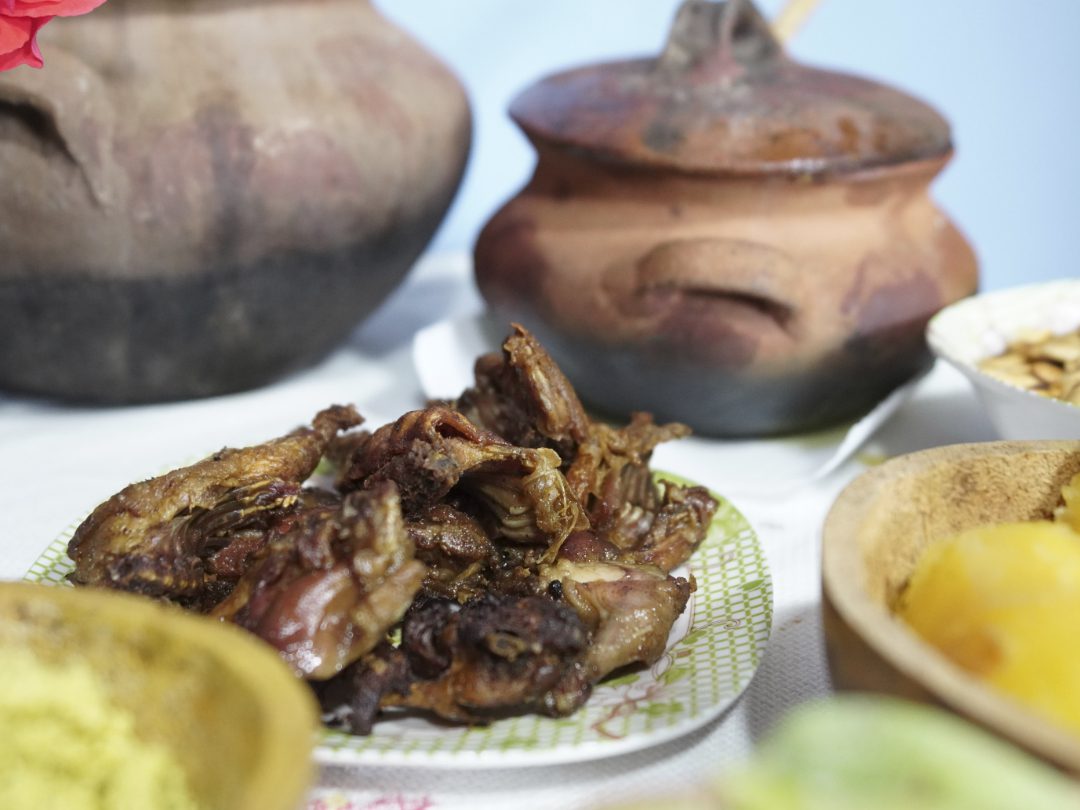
x: 982, y: 326
x: 872, y: 538
x: 713, y: 651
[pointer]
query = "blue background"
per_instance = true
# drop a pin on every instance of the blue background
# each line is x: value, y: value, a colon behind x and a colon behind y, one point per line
x: 1005, y: 73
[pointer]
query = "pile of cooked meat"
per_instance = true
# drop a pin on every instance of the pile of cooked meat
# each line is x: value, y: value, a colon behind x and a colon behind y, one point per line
x: 498, y: 554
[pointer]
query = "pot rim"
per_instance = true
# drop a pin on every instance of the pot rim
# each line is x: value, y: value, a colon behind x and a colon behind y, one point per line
x: 795, y: 171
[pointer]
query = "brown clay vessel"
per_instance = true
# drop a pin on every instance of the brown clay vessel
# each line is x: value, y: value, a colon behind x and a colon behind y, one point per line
x: 201, y: 196
x: 725, y: 237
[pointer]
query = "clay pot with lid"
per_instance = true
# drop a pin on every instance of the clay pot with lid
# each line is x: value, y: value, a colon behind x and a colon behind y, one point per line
x: 199, y: 196
x: 725, y: 237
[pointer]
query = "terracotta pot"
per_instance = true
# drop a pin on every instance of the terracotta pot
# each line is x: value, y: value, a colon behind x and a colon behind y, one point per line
x: 200, y: 195
x: 724, y: 237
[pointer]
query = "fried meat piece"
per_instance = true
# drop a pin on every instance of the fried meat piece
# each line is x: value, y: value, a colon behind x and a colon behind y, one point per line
x: 675, y: 528
x: 430, y: 452
x: 523, y: 396
x: 521, y: 548
x: 653, y: 523
x: 628, y: 609
x: 494, y: 656
x: 504, y: 654
x: 226, y: 557
x: 424, y: 452
x: 352, y: 699
x: 152, y: 536
x: 611, y: 469
x: 456, y: 550
x: 326, y: 592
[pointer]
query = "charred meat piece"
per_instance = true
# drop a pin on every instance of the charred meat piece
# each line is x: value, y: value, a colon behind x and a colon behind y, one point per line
x: 456, y: 550
x: 351, y: 700
x: 495, y: 656
x: 327, y: 592
x: 226, y: 557
x: 628, y: 609
x: 429, y: 453
x: 501, y: 655
x: 152, y: 536
x: 523, y: 396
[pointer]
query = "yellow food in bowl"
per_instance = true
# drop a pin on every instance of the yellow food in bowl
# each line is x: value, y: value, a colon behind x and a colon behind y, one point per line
x: 1003, y: 602
x: 66, y: 745
x: 222, y: 707
x: 1069, y: 511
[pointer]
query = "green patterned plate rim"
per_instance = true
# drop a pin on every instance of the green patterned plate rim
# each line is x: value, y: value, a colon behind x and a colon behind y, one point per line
x: 713, y: 651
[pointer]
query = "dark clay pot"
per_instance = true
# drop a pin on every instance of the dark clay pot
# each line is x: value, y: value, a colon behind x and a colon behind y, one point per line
x: 201, y: 196
x: 724, y: 237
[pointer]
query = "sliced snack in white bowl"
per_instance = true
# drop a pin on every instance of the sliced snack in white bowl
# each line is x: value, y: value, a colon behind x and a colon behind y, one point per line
x: 1015, y: 347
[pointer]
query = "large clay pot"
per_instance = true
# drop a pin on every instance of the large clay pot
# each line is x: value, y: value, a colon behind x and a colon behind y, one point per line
x: 724, y: 237
x: 200, y: 195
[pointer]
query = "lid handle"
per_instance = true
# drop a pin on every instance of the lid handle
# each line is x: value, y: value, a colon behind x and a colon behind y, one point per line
x: 718, y: 36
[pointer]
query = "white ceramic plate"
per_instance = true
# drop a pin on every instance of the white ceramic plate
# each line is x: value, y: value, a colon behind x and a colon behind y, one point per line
x: 982, y: 326
x: 713, y: 652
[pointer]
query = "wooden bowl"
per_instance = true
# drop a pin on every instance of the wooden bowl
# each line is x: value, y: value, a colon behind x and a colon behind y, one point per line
x: 873, y: 536
x: 236, y: 720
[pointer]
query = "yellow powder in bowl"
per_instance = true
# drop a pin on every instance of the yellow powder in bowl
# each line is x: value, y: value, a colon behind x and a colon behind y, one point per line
x: 64, y: 745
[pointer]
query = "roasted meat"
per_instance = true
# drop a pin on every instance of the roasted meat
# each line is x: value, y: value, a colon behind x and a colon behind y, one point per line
x: 523, y: 396
x: 503, y: 654
x: 326, y: 592
x: 496, y: 555
x: 675, y: 528
x: 153, y: 537
x: 611, y: 469
x: 629, y: 610
x: 351, y: 700
x: 459, y: 556
x: 494, y: 656
x: 431, y: 452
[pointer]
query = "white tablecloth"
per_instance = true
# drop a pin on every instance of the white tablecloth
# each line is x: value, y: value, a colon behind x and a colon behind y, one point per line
x: 57, y: 462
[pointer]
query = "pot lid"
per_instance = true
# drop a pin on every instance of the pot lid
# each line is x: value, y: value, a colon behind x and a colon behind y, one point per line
x: 724, y: 97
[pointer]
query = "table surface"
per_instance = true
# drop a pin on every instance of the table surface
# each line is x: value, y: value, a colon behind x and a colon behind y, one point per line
x: 59, y: 461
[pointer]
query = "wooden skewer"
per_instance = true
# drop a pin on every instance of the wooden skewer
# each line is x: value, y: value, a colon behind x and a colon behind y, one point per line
x: 792, y: 17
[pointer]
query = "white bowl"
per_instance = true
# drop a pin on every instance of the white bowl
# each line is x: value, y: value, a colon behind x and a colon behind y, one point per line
x: 982, y: 326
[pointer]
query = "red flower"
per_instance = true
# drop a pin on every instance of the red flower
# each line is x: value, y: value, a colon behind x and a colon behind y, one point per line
x: 19, y: 24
